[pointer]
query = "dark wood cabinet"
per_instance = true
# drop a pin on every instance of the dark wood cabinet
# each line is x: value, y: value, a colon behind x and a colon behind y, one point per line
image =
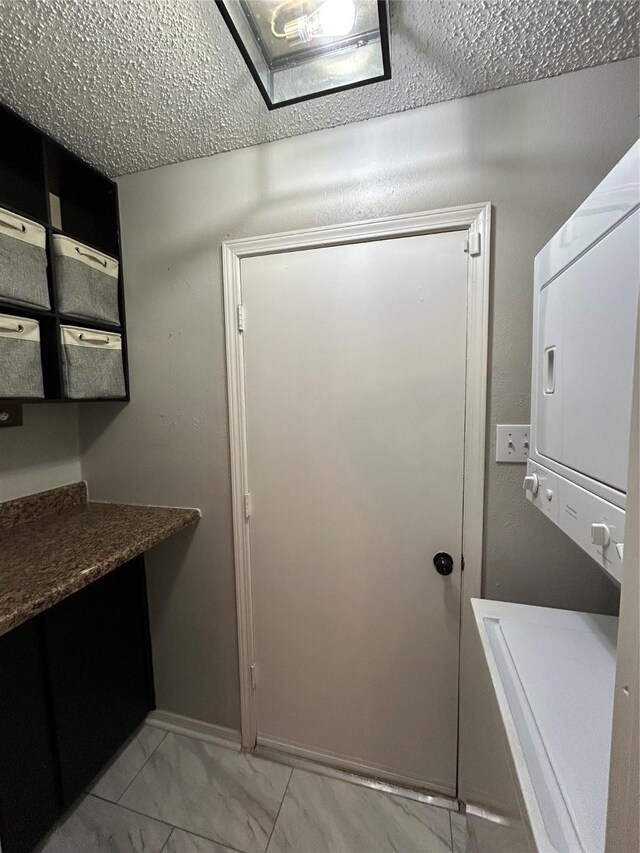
x: 97, y: 651
x: 75, y: 683
x: 30, y: 793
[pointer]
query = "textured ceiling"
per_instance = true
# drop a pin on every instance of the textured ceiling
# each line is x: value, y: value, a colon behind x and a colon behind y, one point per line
x: 132, y: 84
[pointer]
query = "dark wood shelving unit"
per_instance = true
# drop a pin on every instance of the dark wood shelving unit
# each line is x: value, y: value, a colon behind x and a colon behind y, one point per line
x: 42, y: 181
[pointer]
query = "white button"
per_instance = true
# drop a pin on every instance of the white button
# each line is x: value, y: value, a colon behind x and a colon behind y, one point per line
x: 549, y: 494
x: 600, y: 535
x: 620, y: 550
x: 531, y: 483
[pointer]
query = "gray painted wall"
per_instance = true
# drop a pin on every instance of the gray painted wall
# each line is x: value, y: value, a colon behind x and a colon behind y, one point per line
x: 41, y: 454
x: 535, y: 151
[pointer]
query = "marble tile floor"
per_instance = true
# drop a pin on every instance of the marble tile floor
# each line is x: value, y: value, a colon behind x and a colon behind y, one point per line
x: 167, y: 793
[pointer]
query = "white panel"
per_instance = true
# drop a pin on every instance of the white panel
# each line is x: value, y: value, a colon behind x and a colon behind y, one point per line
x: 600, y: 293
x: 496, y: 816
x: 566, y: 674
x: 586, y: 333
x: 552, y: 673
x: 355, y: 375
x: 607, y: 205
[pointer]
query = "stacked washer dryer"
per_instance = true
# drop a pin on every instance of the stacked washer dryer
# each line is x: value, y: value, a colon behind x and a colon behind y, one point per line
x: 549, y: 675
x: 585, y: 305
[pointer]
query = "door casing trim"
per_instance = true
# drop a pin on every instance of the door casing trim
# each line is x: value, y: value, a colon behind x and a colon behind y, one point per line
x: 474, y: 218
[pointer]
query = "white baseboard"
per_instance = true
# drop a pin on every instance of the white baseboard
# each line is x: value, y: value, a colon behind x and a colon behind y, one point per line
x: 270, y: 745
x: 219, y: 735
x: 293, y: 759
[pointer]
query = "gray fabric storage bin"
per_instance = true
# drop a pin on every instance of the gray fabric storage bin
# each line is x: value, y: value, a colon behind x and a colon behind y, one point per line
x: 86, y: 281
x: 20, y: 359
x: 23, y: 262
x: 91, y: 363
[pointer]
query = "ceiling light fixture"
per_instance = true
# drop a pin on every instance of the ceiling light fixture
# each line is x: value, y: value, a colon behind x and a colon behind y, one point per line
x: 301, y: 49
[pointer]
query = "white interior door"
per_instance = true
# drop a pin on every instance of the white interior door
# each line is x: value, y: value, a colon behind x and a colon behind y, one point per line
x: 354, y: 359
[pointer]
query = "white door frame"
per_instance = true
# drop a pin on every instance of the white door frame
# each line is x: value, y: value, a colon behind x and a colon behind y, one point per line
x: 475, y: 218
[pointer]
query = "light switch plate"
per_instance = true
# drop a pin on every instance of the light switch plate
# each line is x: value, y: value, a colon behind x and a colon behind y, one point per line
x: 512, y: 442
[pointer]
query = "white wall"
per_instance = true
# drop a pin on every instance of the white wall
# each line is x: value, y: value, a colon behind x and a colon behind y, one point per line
x: 41, y: 454
x: 534, y: 150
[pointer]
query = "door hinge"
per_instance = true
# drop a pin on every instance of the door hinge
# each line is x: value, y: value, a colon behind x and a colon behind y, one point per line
x: 241, y: 318
x: 253, y: 676
x: 462, y: 562
x: 472, y: 245
x: 247, y: 505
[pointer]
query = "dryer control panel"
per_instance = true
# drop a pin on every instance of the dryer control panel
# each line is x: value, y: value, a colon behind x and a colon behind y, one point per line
x: 593, y: 523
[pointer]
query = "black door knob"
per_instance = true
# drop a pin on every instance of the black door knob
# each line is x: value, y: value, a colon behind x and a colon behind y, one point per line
x: 443, y: 563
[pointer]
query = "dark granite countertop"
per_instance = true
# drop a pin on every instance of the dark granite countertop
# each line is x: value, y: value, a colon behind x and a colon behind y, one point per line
x: 55, y: 543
